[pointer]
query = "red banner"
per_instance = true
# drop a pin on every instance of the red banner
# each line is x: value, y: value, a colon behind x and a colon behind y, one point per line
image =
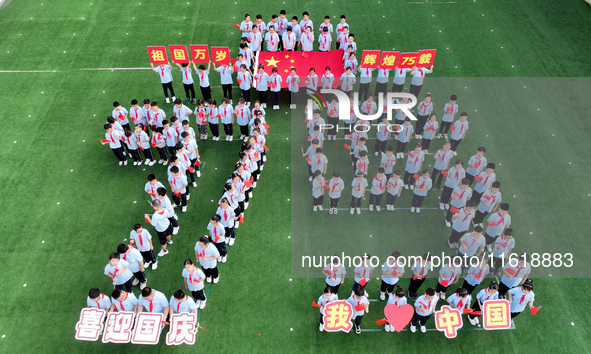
x: 220, y: 55
x: 283, y: 61
x: 389, y: 60
x: 199, y: 53
x: 179, y: 54
x: 370, y: 59
x: 158, y: 55
x: 426, y: 58
x: 407, y: 60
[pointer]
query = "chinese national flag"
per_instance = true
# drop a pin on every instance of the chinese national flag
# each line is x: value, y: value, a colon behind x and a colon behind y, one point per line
x: 220, y: 55
x: 389, y: 60
x: 454, y: 210
x: 407, y: 60
x: 179, y: 54
x: 199, y: 53
x: 158, y: 55
x: 370, y: 59
x: 426, y: 58
x: 445, y: 173
x: 285, y: 60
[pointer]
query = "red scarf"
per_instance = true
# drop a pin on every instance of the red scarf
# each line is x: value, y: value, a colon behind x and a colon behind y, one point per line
x: 121, y: 302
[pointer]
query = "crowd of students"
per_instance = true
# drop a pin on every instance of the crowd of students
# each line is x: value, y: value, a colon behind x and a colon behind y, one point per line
x: 176, y: 144
x: 464, y: 207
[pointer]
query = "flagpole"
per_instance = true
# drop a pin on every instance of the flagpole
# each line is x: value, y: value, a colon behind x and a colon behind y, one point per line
x: 256, y: 68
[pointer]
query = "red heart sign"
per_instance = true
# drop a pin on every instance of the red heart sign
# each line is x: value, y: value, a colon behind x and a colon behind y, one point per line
x: 398, y: 317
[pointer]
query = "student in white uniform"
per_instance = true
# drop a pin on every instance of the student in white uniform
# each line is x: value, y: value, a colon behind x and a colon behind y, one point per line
x: 194, y: 279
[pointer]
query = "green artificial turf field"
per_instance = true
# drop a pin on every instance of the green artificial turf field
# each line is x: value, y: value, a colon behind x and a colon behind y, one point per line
x: 62, y: 187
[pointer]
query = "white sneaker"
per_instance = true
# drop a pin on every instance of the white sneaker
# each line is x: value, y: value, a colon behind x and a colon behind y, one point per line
x: 330, y: 211
x: 215, y: 281
x: 135, y: 282
x: 167, y: 100
x: 147, y: 265
x: 155, y: 265
x: 423, y: 329
x: 147, y: 162
x: 142, y: 285
x: 315, y: 208
x: 184, y: 209
x: 175, y: 230
x: 371, y: 207
x: 412, y: 186
x: 188, y: 196
x: 174, y: 206
x: 336, y: 211
x: 418, y: 210
x: 321, y: 327
x: 135, y: 163
x: 173, y: 98
x: 441, y: 206
x: 194, y: 184
x: 162, y: 253
x: 447, y: 223
x: 152, y: 163
x: 352, y: 211
x: 208, y: 279
x: 489, y: 248
x: 254, y: 184
x: 472, y: 322
x: 310, y: 178
x: 455, y: 153
x: 376, y: 153
x: 388, y: 328
x: 413, y: 329
x: 406, y: 186
x: 224, y: 259
x: 246, y: 205
x: 231, y: 102
x: 202, y: 303
x: 358, y: 211
x: 320, y: 208
x: 165, y: 162
x: 231, y: 242
x: 442, y: 295
x: 160, y: 161
x: 125, y: 163
x: 412, y: 209
x: 446, y: 206
x: 264, y: 158
x: 247, y: 104
x: 241, y: 137
x: 236, y: 224
x: 264, y: 105
x: 250, y: 194
x: 445, y: 136
x: 378, y: 208
x: 382, y: 296
x: 262, y: 167
x: 198, y: 173
x: 476, y: 320
x: 170, y: 242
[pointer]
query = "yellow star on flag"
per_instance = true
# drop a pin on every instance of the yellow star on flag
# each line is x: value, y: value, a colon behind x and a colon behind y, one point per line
x: 292, y: 61
x: 286, y: 70
x: 272, y: 62
x: 286, y: 56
